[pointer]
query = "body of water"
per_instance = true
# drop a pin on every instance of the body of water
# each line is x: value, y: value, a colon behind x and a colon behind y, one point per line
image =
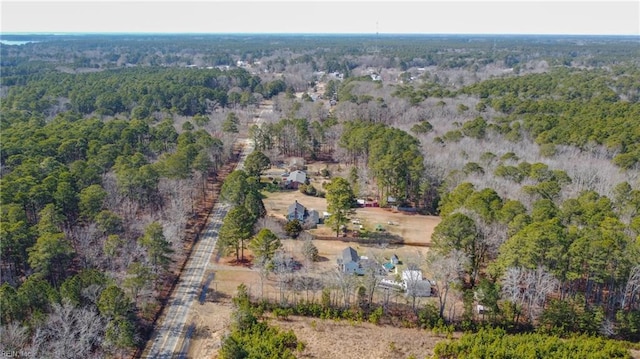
x: 13, y: 42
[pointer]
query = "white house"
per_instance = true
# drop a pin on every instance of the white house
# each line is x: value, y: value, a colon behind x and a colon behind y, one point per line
x: 414, y: 283
x: 297, y: 176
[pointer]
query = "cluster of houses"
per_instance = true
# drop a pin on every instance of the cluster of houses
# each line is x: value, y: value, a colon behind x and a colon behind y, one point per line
x: 293, y: 180
x: 412, y: 282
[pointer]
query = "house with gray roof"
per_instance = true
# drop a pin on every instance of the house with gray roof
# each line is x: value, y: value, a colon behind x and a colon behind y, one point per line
x: 313, y: 217
x: 295, y: 179
x: 296, y: 211
x: 308, y: 217
x: 349, y: 262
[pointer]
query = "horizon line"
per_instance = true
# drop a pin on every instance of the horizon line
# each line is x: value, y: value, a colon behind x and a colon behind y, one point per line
x: 22, y: 33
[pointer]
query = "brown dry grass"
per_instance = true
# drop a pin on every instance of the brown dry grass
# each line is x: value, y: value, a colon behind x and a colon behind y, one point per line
x: 322, y: 338
x: 212, y: 317
x: 413, y: 228
x: 350, y: 340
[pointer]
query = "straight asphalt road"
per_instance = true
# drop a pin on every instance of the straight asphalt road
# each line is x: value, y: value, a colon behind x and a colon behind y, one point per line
x: 173, y: 325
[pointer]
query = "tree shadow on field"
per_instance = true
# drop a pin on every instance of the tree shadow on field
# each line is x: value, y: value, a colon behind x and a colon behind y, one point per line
x: 216, y: 296
x: 201, y: 333
x: 247, y: 262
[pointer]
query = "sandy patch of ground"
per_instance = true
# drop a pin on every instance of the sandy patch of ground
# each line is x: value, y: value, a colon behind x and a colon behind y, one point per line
x: 413, y: 228
x: 212, y: 321
x: 213, y: 316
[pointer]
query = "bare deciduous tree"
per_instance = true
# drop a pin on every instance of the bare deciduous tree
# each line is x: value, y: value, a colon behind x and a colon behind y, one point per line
x: 69, y: 332
x: 632, y: 289
x: 282, y: 267
x: 491, y: 235
x: 85, y: 244
x: 308, y: 284
x: 446, y: 271
x: 528, y: 289
x: 92, y: 293
x: 309, y: 252
x: 13, y: 337
x: 345, y: 282
x: 372, y: 276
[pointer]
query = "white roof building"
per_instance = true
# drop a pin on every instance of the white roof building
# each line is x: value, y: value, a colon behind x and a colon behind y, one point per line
x: 297, y: 176
x: 415, y: 284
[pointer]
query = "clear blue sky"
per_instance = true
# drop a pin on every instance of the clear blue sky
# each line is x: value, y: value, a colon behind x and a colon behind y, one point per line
x: 302, y: 16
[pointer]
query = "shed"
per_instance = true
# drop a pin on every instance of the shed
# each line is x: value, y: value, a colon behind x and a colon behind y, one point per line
x: 389, y: 267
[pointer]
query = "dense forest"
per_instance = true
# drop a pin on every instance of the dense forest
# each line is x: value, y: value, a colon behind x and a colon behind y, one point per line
x: 527, y: 147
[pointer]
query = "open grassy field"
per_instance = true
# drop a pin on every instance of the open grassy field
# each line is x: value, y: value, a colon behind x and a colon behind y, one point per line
x: 322, y: 338
x: 413, y: 228
x: 343, y: 339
